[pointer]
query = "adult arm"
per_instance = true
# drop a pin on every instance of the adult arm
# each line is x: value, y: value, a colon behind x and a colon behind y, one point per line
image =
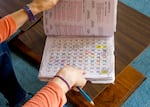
x: 7, y: 27
x: 10, y: 23
x: 36, y: 7
x: 53, y: 94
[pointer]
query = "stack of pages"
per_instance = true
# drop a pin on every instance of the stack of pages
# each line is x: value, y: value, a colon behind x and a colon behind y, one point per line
x: 80, y: 33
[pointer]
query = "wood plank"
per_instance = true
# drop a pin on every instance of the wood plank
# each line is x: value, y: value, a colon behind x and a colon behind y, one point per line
x: 27, y: 52
x: 114, y: 94
x: 132, y: 36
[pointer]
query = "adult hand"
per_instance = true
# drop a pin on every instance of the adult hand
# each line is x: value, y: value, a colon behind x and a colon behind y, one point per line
x: 74, y: 77
x: 38, y: 6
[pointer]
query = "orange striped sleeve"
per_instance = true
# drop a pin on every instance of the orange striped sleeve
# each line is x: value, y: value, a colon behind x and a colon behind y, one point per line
x: 7, y: 27
x: 50, y: 95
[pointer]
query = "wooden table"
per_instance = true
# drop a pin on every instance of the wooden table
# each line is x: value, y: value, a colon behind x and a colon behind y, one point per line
x: 132, y: 36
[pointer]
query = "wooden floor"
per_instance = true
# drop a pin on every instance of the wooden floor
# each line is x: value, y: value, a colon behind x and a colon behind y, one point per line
x: 131, y: 38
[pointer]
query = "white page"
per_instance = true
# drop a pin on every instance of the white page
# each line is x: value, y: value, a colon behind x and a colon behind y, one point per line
x: 95, y: 55
x: 81, y: 17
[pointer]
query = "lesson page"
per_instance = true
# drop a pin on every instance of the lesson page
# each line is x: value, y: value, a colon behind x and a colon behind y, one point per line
x: 95, y: 55
x: 81, y: 17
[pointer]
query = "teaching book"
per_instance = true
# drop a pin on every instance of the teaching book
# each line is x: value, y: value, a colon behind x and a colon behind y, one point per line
x: 80, y: 33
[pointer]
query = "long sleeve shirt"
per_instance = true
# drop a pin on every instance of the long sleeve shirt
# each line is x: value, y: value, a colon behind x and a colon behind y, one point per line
x: 7, y: 28
x: 51, y: 95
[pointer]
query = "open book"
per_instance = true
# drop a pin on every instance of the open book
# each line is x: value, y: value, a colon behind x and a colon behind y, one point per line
x: 80, y: 33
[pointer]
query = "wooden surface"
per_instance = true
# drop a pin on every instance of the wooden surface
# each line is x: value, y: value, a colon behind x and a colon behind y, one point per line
x: 114, y: 94
x: 132, y: 36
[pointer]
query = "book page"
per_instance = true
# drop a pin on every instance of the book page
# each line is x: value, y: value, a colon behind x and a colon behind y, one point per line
x: 95, y: 55
x: 81, y: 17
